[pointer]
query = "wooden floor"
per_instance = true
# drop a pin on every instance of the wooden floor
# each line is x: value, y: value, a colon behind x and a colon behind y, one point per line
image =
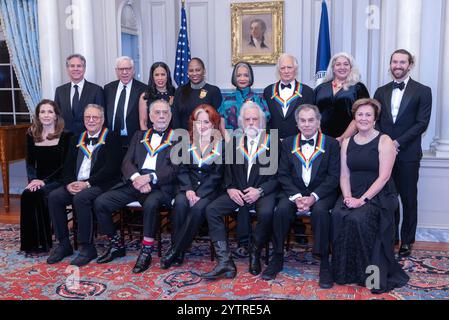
x: 13, y: 217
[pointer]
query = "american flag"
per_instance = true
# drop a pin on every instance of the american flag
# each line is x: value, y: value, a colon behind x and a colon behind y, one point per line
x: 182, y: 51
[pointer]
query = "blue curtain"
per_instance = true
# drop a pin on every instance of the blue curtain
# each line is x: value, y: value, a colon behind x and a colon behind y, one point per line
x: 20, y: 26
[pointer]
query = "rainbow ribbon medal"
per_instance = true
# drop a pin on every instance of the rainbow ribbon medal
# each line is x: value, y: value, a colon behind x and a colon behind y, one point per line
x: 82, y: 142
x: 198, y: 158
x: 319, y: 148
x: 164, y: 145
x: 261, y: 148
x: 296, y: 95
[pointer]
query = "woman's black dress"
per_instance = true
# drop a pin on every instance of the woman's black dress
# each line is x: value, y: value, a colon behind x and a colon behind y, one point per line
x: 336, y: 114
x: 364, y: 236
x: 43, y: 163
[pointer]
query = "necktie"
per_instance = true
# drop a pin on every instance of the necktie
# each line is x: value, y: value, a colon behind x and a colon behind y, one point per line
x: 283, y: 86
x: 75, y: 100
x: 118, y: 120
x: 400, y: 85
x: 310, y: 141
x: 160, y: 133
x: 92, y: 141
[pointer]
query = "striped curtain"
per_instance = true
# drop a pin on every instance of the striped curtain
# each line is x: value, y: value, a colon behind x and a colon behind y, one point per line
x: 20, y: 26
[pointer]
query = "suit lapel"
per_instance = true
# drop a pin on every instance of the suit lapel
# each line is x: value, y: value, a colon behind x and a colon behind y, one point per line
x: 405, y: 102
x: 132, y: 98
x: 66, y: 96
x: 111, y: 103
x: 79, y: 161
x: 388, y: 94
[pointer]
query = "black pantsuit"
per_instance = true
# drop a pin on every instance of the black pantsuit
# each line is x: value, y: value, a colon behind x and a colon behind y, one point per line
x: 224, y: 206
x: 82, y: 204
x: 321, y: 220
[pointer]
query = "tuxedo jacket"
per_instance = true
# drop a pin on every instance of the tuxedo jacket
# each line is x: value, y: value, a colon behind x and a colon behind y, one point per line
x: 132, y: 113
x: 325, y: 175
x: 412, y: 119
x: 105, y: 166
x: 206, y: 179
x: 165, y: 171
x: 91, y: 93
x: 286, y: 124
x: 235, y: 176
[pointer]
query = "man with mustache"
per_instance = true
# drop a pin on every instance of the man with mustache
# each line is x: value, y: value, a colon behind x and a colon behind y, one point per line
x: 406, y: 108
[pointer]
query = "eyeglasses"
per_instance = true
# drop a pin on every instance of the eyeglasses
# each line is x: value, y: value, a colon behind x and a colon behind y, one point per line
x: 94, y: 118
x: 125, y: 69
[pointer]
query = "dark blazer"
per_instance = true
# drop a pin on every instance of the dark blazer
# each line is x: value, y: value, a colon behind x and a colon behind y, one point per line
x: 325, y: 176
x: 105, y: 167
x: 165, y: 171
x: 91, y: 93
x: 286, y: 125
x: 412, y: 119
x: 132, y: 113
x: 236, y: 174
x: 205, y: 180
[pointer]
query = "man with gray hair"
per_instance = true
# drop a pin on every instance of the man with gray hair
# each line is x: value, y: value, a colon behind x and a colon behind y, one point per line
x: 247, y: 187
x: 91, y: 168
x: 122, y: 101
x: 75, y: 95
x: 309, y: 173
x: 285, y: 96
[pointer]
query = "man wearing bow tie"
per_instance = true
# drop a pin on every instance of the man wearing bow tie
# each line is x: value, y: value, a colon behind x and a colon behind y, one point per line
x: 149, y: 177
x: 406, y: 110
x: 285, y: 96
x: 91, y: 168
x: 309, y: 173
x: 248, y: 186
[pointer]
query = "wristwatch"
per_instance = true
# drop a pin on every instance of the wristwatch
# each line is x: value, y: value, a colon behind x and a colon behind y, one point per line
x: 87, y: 184
x: 261, y: 192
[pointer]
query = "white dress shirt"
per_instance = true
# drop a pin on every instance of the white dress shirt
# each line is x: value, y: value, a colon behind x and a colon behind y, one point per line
x: 80, y: 90
x: 285, y: 94
x: 396, y: 98
x: 84, y: 172
x: 150, y: 162
x: 307, y: 150
x: 124, y: 131
x: 251, y: 146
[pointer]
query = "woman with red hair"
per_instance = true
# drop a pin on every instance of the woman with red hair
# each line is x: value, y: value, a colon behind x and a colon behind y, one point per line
x: 199, y: 181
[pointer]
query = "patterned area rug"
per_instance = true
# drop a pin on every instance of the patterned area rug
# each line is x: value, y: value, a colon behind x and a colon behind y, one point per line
x: 24, y: 277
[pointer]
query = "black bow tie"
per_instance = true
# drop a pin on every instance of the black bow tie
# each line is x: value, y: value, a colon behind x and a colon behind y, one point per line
x: 283, y: 86
x: 310, y: 141
x: 161, y: 133
x: 400, y: 85
x: 92, y: 141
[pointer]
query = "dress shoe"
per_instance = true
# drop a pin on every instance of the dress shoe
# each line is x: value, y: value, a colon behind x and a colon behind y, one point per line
x: 86, y: 255
x: 179, y: 260
x: 254, y: 261
x: 405, y: 250
x: 170, y: 258
x: 112, y: 253
x: 326, y: 280
x: 143, y: 262
x: 274, y: 267
x: 59, y: 253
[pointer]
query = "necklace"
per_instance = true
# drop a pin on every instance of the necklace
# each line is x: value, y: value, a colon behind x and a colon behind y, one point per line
x: 336, y: 85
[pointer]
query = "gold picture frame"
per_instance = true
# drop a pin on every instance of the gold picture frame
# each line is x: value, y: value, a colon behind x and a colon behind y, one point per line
x: 257, y: 32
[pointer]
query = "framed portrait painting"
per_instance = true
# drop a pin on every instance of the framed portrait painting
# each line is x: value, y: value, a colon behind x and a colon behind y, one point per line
x: 257, y: 32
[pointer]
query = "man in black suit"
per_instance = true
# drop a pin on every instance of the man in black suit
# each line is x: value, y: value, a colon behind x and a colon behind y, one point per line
x: 250, y: 182
x: 122, y: 101
x: 285, y: 96
x: 149, y: 177
x: 91, y: 168
x: 406, y: 109
x: 309, y: 173
x: 74, y: 96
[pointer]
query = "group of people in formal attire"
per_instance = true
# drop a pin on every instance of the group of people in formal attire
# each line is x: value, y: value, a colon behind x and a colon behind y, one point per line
x: 332, y: 152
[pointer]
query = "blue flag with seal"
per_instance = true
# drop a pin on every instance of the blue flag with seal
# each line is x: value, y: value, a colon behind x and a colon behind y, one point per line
x: 182, y: 51
x: 323, y: 54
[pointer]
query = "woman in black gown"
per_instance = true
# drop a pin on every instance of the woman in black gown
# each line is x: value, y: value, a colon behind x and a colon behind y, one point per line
x: 194, y: 93
x: 46, y: 149
x: 363, y: 218
x: 336, y: 95
x: 159, y: 87
x: 199, y: 181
